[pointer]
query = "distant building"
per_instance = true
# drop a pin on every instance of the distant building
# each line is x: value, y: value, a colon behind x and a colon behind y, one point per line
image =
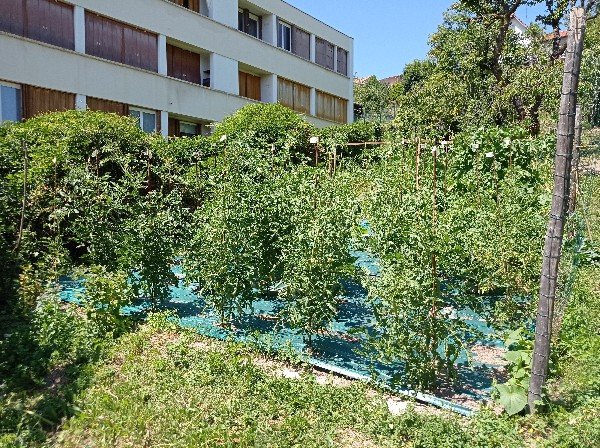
x: 392, y: 80
x: 563, y: 35
x: 517, y: 25
x: 175, y: 65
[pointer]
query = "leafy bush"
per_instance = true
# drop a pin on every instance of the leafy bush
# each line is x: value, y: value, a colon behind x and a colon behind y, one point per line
x: 270, y: 225
x: 267, y: 127
x: 91, y: 198
x: 449, y: 223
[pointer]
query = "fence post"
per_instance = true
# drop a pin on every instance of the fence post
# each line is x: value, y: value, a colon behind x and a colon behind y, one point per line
x: 560, y: 197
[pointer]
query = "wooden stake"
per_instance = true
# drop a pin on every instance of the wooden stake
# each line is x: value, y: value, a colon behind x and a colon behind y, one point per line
x: 560, y: 197
x: 417, y: 165
x: 24, y: 203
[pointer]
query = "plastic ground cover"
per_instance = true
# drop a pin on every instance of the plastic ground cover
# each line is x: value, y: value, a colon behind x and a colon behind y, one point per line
x: 341, y: 349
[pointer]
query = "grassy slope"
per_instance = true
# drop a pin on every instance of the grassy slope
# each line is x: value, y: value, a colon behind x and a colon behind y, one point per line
x: 177, y: 389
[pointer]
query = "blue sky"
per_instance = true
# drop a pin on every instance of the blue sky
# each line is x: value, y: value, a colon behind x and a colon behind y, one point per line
x: 387, y: 33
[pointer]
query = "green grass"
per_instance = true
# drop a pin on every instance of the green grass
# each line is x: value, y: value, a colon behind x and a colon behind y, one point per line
x: 174, y: 388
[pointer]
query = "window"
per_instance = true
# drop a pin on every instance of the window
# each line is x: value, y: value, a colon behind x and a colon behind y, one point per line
x: 241, y: 23
x: 146, y: 119
x: 187, y: 129
x: 252, y: 25
x: 249, y: 23
x: 10, y: 103
x: 284, y: 36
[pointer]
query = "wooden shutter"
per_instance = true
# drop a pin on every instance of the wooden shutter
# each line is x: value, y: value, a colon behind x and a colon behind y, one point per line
x: 183, y: 64
x: 38, y: 101
x: 301, y: 43
x: 325, y: 53
x: 48, y: 21
x: 249, y: 86
x: 140, y: 48
x: 326, y: 105
x: 114, y: 107
x: 285, y: 92
x: 242, y: 81
x: 116, y: 41
x: 341, y: 110
x: 321, y: 53
x: 330, y: 55
x: 253, y: 87
x: 301, y: 98
x: 103, y: 38
x: 174, y: 130
x: 12, y: 16
x: 342, y: 61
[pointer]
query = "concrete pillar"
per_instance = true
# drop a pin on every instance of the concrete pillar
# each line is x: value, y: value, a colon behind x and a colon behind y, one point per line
x: 313, y: 48
x: 204, y: 8
x: 224, y: 74
x: 269, y: 29
x: 80, y: 102
x: 351, y: 86
x: 79, y: 26
x: 162, y: 54
x: 313, y: 102
x: 335, y: 61
x: 224, y: 11
x: 164, y: 123
x: 268, y: 89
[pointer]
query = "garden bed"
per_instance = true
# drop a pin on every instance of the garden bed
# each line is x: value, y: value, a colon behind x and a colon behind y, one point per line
x: 342, y: 348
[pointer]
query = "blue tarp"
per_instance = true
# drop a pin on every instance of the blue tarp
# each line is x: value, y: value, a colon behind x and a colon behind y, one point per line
x: 341, y: 349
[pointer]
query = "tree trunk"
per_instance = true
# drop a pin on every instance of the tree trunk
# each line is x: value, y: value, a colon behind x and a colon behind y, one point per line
x: 556, y: 224
x: 575, y: 163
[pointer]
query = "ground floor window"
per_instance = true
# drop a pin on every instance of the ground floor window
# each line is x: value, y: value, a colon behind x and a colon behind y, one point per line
x: 188, y: 129
x: 146, y: 119
x: 10, y: 103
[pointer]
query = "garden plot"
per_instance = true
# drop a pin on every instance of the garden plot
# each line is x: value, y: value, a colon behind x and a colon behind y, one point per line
x: 341, y: 348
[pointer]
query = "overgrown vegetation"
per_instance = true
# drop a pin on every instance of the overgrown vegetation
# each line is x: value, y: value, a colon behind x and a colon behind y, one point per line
x: 448, y: 224
x: 449, y: 205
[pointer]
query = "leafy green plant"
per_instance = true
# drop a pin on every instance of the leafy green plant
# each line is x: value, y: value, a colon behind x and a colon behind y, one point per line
x: 315, y: 250
x: 104, y: 296
x: 512, y: 394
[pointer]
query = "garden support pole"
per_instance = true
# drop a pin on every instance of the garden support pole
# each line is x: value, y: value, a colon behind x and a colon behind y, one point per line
x: 24, y: 204
x: 556, y: 224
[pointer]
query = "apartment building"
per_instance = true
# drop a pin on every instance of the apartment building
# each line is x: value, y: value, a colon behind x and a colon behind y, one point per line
x: 176, y: 65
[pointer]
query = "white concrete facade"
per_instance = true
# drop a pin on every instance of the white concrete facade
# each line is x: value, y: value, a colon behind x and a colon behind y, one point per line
x: 213, y: 33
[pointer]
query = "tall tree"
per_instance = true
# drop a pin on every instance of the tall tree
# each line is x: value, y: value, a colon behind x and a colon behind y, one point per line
x: 374, y: 97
